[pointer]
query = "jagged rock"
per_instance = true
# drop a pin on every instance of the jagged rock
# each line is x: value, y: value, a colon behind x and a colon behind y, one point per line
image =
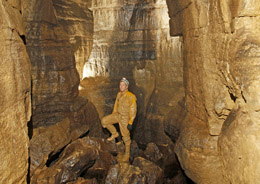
x: 75, y: 159
x: 153, y: 153
x: 124, y: 173
x: 164, y: 156
x: 152, y: 172
x: 83, y: 181
x: 106, y: 158
x: 101, y: 144
x: 47, y: 142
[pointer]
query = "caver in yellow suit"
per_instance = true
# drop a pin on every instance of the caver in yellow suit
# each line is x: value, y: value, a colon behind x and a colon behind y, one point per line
x: 123, y: 113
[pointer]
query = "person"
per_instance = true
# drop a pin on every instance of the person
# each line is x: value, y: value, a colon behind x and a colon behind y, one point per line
x: 124, y: 113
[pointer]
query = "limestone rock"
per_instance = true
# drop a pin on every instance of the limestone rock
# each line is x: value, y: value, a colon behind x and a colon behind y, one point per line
x: 221, y: 39
x: 239, y: 147
x: 46, y: 142
x: 133, y: 41
x: 125, y: 174
x: 100, y: 91
x: 164, y: 156
x: 153, y: 173
x: 54, y: 76
x: 83, y: 181
x: 77, y: 20
x: 106, y: 158
x: 173, y: 120
x: 15, y: 100
x: 75, y: 159
x: 101, y: 144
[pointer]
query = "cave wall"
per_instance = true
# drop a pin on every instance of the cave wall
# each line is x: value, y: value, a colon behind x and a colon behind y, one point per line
x: 15, y: 100
x: 131, y: 39
x: 59, y: 114
x: 52, y: 49
x: 76, y: 18
x: 218, y: 140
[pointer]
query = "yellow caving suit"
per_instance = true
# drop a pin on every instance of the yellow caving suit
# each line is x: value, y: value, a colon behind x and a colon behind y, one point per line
x: 124, y: 113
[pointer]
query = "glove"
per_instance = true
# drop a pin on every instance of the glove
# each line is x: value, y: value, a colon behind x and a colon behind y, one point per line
x: 129, y: 127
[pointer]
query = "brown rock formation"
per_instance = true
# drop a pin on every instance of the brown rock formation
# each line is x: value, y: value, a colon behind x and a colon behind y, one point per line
x: 54, y: 76
x: 84, y: 181
x: 219, y: 116
x: 152, y: 172
x: 76, y: 158
x: 218, y: 139
x: 47, y: 143
x: 125, y: 173
x: 15, y: 100
x: 131, y: 39
x: 77, y: 21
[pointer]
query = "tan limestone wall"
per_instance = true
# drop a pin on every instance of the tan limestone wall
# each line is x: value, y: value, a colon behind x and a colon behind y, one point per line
x: 77, y: 20
x: 55, y: 78
x: 15, y: 100
x: 131, y: 39
x: 218, y: 139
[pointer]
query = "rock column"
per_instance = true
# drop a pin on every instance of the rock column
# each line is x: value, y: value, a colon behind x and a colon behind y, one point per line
x: 15, y: 100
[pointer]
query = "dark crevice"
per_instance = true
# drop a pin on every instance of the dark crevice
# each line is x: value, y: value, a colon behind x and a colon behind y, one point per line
x: 173, y: 138
x: 243, y: 96
x: 84, y: 135
x: 233, y: 97
x: 86, y: 167
x: 181, y: 10
x: 28, y: 173
x: 23, y: 38
x: 53, y: 158
x: 188, y: 180
x: 30, y: 128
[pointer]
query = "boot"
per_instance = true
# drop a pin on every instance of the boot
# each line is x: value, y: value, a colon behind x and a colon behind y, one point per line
x: 112, y: 137
x: 114, y: 133
x: 125, y: 157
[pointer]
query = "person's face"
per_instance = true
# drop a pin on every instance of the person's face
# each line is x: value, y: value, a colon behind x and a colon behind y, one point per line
x: 123, y: 87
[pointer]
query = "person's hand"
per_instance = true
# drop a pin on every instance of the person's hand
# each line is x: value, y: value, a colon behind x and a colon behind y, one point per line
x: 129, y: 127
